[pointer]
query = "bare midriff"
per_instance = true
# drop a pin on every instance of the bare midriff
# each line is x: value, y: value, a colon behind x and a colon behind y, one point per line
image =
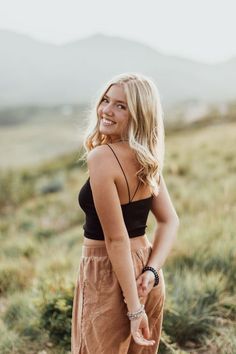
x: 90, y: 242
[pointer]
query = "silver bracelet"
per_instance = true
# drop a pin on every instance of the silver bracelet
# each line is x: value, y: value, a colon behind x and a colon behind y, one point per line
x: 137, y: 314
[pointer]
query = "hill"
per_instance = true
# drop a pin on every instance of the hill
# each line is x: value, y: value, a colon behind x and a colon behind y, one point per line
x: 34, y: 72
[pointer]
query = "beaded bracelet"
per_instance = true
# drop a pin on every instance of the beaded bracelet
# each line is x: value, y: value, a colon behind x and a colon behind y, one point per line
x: 137, y: 314
x: 155, y: 274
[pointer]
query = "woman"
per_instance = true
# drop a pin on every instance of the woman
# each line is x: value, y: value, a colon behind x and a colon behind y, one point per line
x: 120, y: 290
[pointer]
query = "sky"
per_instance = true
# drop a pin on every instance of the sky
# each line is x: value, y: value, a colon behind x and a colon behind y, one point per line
x: 202, y: 30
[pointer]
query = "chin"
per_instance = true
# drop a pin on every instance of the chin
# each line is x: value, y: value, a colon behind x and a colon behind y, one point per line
x: 105, y: 131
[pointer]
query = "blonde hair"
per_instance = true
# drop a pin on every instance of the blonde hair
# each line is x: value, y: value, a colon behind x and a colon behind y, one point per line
x: 145, y: 130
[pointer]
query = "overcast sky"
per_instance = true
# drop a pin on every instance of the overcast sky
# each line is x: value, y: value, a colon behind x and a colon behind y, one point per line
x: 203, y: 30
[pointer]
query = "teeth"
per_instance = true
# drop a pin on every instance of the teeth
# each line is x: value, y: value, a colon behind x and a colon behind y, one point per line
x: 107, y: 121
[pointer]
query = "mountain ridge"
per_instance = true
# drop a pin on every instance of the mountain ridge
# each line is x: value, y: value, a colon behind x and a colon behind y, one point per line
x: 37, y: 72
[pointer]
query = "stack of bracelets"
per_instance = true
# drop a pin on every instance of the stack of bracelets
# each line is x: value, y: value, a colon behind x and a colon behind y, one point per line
x: 137, y: 314
x: 141, y: 311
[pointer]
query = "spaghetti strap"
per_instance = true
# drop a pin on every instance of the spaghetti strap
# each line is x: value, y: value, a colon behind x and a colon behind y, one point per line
x: 136, y: 190
x: 122, y: 171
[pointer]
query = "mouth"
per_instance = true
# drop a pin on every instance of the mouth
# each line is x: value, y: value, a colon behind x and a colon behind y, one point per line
x: 107, y: 121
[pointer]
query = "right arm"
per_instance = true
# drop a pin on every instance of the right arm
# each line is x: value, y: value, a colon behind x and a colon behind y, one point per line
x: 109, y: 211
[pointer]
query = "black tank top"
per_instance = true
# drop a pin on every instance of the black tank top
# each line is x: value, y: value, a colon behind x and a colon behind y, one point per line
x: 135, y: 213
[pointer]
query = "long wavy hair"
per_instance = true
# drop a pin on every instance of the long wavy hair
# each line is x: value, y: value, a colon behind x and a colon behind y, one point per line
x: 146, y: 127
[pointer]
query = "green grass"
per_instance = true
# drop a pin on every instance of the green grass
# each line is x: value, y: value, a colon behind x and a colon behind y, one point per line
x: 41, y: 237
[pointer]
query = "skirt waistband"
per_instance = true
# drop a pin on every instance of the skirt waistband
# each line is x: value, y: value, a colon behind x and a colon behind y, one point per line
x: 101, y: 251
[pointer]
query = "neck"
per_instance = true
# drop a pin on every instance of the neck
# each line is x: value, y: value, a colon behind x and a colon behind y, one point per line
x: 118, y: 141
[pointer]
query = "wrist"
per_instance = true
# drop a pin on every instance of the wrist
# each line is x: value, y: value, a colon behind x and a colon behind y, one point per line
x: 153, y: 265
x: 155, y: 273
x: 135, y: 315
x: 134, y: 307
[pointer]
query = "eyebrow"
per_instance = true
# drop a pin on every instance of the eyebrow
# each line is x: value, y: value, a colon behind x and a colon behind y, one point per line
x: 116, y: 100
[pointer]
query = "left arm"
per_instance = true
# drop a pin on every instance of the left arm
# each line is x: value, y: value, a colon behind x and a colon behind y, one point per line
x: 166, y: 229
x: 164, y: 237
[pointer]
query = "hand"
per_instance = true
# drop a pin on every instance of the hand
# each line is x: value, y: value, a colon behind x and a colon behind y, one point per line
x: 140, y: 331
x: 145, y: 283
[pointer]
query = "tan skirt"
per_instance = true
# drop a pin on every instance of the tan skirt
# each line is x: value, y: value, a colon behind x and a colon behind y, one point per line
x: 99, y: 321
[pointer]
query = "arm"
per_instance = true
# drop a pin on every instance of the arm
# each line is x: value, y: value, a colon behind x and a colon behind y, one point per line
x: 164, y: 236
x: 167, y: 227
x: 109, y: 211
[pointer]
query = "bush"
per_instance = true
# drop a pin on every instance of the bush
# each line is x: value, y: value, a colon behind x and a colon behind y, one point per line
x: 56, y: 314
x: 198, y: 301
x: 27, y: 249
x: 13, y: 189
x: 9, y: 340
x: 47, y: 185
x: 15, y: 277
x: 21, y: 315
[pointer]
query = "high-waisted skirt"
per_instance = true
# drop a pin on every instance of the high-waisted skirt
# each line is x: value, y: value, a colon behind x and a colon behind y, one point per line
x: 99, y: 321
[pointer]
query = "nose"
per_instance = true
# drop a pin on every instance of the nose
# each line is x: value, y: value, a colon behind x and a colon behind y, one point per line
x: 108, y: 109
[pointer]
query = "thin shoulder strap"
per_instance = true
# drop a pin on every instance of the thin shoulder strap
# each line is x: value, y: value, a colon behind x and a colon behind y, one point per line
x: 122, y: 170
x: 136, y: 190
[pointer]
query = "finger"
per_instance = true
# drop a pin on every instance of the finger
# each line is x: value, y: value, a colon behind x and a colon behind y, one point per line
x: 144, y: 342
x: 141, y: 286
x: 142, y: 293
x: 146, y: 333
x: 139, y: 281
x: 139, y: 278
x: 145, y: 285
x: 139, y: 339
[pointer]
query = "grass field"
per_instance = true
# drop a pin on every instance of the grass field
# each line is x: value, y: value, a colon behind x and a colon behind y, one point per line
x: 29, y: 136
x: 41, y: 236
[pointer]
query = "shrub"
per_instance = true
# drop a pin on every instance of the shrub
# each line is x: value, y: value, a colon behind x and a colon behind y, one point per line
x: 9, y: 340
x: 15, y: 277
x: 225, y: 341
x: 26, y: 249
x: 196, y: 304
x: 13, y: 189
x: 47, y: 185
x: 21, y: 315
x: 56, y: 314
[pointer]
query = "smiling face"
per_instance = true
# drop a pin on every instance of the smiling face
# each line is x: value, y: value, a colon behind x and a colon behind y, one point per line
x: 114, y: 114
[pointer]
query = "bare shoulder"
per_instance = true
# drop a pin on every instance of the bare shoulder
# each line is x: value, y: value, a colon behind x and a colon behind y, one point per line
x: 100, y: 161
x: 98, y: 153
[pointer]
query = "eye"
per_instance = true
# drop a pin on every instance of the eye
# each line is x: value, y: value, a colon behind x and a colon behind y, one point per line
x: 104, y: 99
x: 120, y: 105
